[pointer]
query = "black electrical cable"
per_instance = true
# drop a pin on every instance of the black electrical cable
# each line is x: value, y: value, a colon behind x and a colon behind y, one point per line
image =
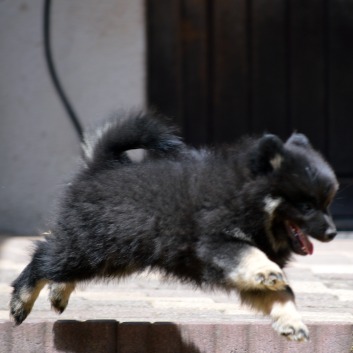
x: 52, y: 71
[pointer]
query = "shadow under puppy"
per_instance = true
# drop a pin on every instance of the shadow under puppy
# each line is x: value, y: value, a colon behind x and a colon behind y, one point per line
x: 227, y: 218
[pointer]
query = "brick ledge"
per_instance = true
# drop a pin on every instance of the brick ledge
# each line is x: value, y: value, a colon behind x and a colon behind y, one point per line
x: 98, y: 336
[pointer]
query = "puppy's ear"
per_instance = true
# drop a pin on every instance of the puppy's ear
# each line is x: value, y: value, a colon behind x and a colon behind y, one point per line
x: 267, y: 155
x: 298, y: 140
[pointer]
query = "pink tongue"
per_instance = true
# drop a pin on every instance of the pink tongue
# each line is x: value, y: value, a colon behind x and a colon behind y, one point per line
x: 306, y: 243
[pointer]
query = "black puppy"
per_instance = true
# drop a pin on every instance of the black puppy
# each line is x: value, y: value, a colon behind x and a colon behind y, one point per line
x: 227, y: 218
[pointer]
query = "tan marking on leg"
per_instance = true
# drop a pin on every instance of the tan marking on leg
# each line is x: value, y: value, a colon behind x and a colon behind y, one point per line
x: 280, y: 306
x: 22, y: 303
x: 256, y: 271
x: 29, y: 295
x: 59, y: 295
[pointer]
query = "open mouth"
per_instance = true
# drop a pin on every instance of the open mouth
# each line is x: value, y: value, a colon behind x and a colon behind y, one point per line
x: 300, y: 241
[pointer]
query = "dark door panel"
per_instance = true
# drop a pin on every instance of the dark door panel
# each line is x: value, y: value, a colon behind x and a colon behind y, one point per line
x: 227, y: 68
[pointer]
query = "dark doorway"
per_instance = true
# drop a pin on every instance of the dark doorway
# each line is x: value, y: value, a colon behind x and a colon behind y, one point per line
x: 231, y: 67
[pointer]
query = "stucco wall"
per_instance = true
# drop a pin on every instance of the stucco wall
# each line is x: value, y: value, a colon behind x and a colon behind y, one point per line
x: 99, y: 51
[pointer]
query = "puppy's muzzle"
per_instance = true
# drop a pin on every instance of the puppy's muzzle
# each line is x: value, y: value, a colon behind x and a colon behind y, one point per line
x: 331, y: 230
x: 330, y: 234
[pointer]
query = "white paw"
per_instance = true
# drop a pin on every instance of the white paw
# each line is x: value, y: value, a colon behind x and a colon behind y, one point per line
x: 257, y: 271
x: 287, y: 321
x: 270, y: 277
x: 292, y: 329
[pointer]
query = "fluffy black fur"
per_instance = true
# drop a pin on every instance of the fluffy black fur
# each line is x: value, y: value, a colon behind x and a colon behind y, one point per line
x: 194, y: 214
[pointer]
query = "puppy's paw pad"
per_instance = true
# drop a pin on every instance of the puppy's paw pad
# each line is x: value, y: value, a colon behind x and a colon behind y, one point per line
x: 293, y: 331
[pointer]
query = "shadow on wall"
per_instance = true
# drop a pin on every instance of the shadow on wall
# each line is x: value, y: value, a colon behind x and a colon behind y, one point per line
x: 110, y: 336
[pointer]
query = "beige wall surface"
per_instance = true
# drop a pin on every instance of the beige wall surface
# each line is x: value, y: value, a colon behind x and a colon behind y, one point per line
x: 99, y: 51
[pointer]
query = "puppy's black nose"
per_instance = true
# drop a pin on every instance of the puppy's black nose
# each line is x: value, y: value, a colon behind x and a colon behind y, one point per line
x: 331, y: 230
x: 330, y: 235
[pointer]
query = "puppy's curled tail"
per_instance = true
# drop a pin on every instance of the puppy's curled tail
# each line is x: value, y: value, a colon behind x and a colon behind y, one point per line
x: 123, y: 132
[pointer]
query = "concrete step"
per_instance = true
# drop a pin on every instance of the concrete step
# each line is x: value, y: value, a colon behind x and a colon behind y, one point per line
x: 110, y: 336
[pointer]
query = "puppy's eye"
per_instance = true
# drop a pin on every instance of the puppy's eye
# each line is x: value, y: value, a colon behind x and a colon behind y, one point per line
x: 306, y: 207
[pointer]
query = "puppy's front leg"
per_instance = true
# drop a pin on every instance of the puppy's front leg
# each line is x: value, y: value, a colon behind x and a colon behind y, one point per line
x: 256, y: 271
x: 286, y: 319
x: 262, y: 285
x: 281, y: 307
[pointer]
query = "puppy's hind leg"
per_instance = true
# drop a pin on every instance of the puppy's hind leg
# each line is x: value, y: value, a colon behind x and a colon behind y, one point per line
x: 59, y: 295
x: 26, y: 290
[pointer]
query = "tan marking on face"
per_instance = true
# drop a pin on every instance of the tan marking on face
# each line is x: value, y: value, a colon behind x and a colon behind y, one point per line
x: 276, y: 161
x: 271, y: 204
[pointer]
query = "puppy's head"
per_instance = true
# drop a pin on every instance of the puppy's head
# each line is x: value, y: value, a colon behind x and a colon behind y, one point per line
x: 301, y: 188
